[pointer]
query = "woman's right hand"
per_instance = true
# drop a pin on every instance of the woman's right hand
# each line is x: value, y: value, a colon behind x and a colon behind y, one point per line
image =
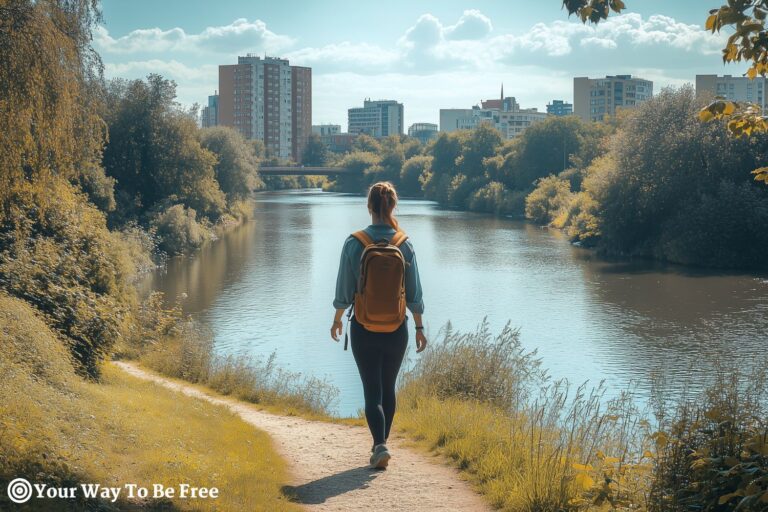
x: 421, y: 340
x: 336, y: 329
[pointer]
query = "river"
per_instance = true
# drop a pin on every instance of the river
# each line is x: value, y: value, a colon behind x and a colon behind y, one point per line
x: 267, y: 286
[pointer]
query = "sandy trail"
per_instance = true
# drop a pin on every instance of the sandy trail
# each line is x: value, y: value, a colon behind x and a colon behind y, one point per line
x: 328, y: 463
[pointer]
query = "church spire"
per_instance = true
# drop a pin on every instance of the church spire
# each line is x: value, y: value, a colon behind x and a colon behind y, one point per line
x: 502, y: 92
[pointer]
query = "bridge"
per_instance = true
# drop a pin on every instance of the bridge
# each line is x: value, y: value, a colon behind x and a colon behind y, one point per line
x: 302, y: 171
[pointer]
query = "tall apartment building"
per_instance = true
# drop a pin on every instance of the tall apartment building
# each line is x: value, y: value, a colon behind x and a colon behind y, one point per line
x: 735, y: 88
x: 269, y: 100
x: 376, y: 118
x: 504, y: 114
x: 559, y: 108
x: 595, y: 98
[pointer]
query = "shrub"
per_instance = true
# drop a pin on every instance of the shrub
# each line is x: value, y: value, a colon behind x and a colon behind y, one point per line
x: 478, y: 366
x: 712, y: 449
x: 59, y: 256
x: 550, y: 199
x: 178, y: 230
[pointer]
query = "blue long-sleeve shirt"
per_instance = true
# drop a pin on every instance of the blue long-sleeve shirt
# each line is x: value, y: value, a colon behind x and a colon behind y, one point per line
x: 349, y: 269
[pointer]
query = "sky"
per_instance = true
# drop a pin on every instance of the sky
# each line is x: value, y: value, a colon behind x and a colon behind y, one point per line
x: 426, y: 54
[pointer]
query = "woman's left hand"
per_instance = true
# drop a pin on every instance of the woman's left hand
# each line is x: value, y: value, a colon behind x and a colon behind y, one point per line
x: 336, y: 330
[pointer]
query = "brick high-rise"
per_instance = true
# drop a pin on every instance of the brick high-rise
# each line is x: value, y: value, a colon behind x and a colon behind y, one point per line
x: 269, y: 100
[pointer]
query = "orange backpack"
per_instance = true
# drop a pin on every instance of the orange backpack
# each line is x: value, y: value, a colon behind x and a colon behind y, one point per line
x: 380, y: 296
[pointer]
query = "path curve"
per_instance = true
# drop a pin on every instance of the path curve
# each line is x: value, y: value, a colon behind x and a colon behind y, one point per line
x: 328, y: 462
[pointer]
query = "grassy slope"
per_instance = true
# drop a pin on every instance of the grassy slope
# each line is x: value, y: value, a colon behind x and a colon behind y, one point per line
x: 58, y: 429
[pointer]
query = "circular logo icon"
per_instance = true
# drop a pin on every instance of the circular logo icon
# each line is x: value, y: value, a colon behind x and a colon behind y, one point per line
x: 19, y: 490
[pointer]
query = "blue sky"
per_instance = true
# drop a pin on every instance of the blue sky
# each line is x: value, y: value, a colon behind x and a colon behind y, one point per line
x: 427, y: 54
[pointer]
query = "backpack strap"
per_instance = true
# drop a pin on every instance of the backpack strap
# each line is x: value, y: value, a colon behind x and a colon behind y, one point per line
x: 363, y: 237
x: 398, y: 238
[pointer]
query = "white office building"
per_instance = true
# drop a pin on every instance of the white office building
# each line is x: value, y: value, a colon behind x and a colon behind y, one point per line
x: 596, y: 98
x: 734, y: 88
x: 504, y: 114
x: 379, y: 118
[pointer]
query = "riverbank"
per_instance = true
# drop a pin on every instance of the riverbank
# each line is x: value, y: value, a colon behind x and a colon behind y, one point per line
x: 328, y: 461
x: 60, y: 430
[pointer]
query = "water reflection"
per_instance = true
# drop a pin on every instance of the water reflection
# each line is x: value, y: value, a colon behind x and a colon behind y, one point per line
x: 268, y: 285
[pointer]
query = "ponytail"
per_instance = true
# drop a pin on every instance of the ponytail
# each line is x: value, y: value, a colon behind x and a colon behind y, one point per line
x: 382, y: 199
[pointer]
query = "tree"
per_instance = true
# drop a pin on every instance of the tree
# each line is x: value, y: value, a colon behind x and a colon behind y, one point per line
x: 366, y: 143
x: 674, y: 188
x: 413, y: 171
x: 154, y: 151
x: 315, y: 153
x: 236, y: 163
x: 551, y: 147
x: 56, y: 252
x: 749, y: 42
x: 482, y: 143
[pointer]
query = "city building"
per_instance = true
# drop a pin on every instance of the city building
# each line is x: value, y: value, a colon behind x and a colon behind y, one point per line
x: 559, y: 108
x: 594, y: 98
x: 326, y: 129
x: 379, y: 118
x: 338, y: 142
x: 424, y: 132
x: 269, y: 100
x: 735, y: 88
x: 504, y: 114
x: 210, y: 114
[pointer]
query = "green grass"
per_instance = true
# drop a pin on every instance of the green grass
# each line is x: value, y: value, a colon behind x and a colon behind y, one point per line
x: 58, y: 429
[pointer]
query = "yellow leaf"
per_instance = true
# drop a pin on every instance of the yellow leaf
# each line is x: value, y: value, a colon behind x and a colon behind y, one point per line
x: 705, y: 115
x: 710, y: 24
x: 611, y: 460
x: 582, y: 467
x: 752, y: 72
x: 600, y: 455
x: 584, y: 481
x: 729, y: 108
x: 647, y: 454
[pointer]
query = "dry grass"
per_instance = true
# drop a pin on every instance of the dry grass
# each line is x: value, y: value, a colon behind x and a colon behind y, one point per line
x: 182, y: 348
x: 58, y: 429
x: 527, y: 443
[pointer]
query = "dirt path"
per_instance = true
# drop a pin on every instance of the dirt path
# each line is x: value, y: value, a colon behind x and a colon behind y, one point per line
x: 328, y: 462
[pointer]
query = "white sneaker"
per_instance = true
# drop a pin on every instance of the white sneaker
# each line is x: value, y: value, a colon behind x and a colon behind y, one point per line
x: 380, y: 457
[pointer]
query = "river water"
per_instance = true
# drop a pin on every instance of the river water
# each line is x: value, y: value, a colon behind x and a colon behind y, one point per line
x: 268, y: 286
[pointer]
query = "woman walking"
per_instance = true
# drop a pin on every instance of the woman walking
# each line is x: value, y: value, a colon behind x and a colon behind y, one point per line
x: 379, y: 276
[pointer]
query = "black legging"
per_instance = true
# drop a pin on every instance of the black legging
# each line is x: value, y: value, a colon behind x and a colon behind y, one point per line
x: 378, y: 356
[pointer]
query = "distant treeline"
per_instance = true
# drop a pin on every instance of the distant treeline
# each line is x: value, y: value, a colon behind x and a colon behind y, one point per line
x: 654, y: 182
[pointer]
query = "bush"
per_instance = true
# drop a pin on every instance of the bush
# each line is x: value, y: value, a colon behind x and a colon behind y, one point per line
x: 178, y: 230
x: 712, y: 449
x: 478, y: 366
x: 59, y: 256
x: 549, y: 201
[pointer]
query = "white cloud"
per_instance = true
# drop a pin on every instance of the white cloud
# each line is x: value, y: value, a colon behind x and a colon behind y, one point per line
x: 346, y: 55
x: 472, y: 25
x: 432, y: 64
x: 240, y: 35
x: 601, y: 42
